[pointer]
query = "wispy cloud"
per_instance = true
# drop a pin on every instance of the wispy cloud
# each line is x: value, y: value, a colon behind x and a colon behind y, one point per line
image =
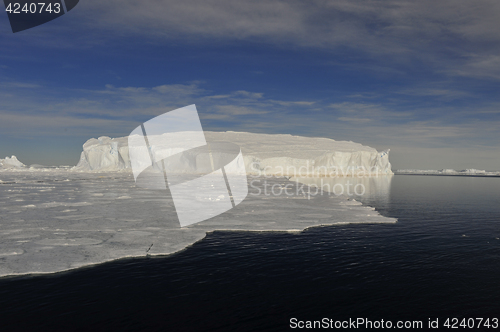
x: 367, y: 111
x: 231, y: 112
x: 130, y: 105
x: 448, y: 94
x: 477, y: 66
x: 293, y: 103
x: 451, y: 37
x: 355, y: 120
x: 404, y: 30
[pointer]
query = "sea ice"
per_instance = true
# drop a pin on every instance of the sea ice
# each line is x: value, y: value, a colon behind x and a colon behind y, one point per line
x: 89, y: 218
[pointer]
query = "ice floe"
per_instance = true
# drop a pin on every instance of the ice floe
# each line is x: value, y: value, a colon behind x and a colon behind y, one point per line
x: 90, y: 218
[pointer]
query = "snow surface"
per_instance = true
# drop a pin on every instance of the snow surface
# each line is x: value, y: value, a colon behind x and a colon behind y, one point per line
x: 283, y: 155
x: 55, y: 220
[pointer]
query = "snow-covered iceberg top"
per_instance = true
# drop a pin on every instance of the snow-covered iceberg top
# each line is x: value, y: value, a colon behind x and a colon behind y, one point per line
x: 264, y: 154
x: 11, y: 162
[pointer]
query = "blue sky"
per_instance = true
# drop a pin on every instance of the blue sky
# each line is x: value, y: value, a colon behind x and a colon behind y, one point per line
x: 420, y: 78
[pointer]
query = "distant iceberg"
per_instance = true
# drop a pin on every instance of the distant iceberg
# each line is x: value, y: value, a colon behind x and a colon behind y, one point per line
x: 11, y: 162
x: 466, y: 172
x: 474, y: 171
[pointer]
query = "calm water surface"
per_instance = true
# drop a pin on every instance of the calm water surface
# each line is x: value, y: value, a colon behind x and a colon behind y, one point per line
x: 442, y: 259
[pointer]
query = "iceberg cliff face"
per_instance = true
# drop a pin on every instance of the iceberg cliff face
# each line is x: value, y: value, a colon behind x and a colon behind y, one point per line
x: 282, y: 155
x: 104, y: 154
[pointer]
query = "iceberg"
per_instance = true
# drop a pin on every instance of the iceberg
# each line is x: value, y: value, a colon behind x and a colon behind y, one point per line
x: 474, y: 171
x: 264, y: 154
x: 448, y: 171
x: 11, y: 162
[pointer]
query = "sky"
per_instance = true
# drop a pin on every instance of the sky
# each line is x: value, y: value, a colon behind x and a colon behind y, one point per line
x: 418, y: 77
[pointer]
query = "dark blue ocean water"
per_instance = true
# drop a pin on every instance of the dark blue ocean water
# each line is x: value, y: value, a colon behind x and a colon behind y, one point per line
x: 441, y: 260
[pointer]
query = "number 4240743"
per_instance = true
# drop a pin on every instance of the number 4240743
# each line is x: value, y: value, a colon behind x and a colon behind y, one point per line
x: 34, y: 8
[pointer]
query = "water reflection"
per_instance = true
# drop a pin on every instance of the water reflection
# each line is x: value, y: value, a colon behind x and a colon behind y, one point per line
x: 363, y: 188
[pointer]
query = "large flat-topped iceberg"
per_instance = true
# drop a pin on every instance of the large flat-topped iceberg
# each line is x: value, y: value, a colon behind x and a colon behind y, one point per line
x: 283, y: 155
